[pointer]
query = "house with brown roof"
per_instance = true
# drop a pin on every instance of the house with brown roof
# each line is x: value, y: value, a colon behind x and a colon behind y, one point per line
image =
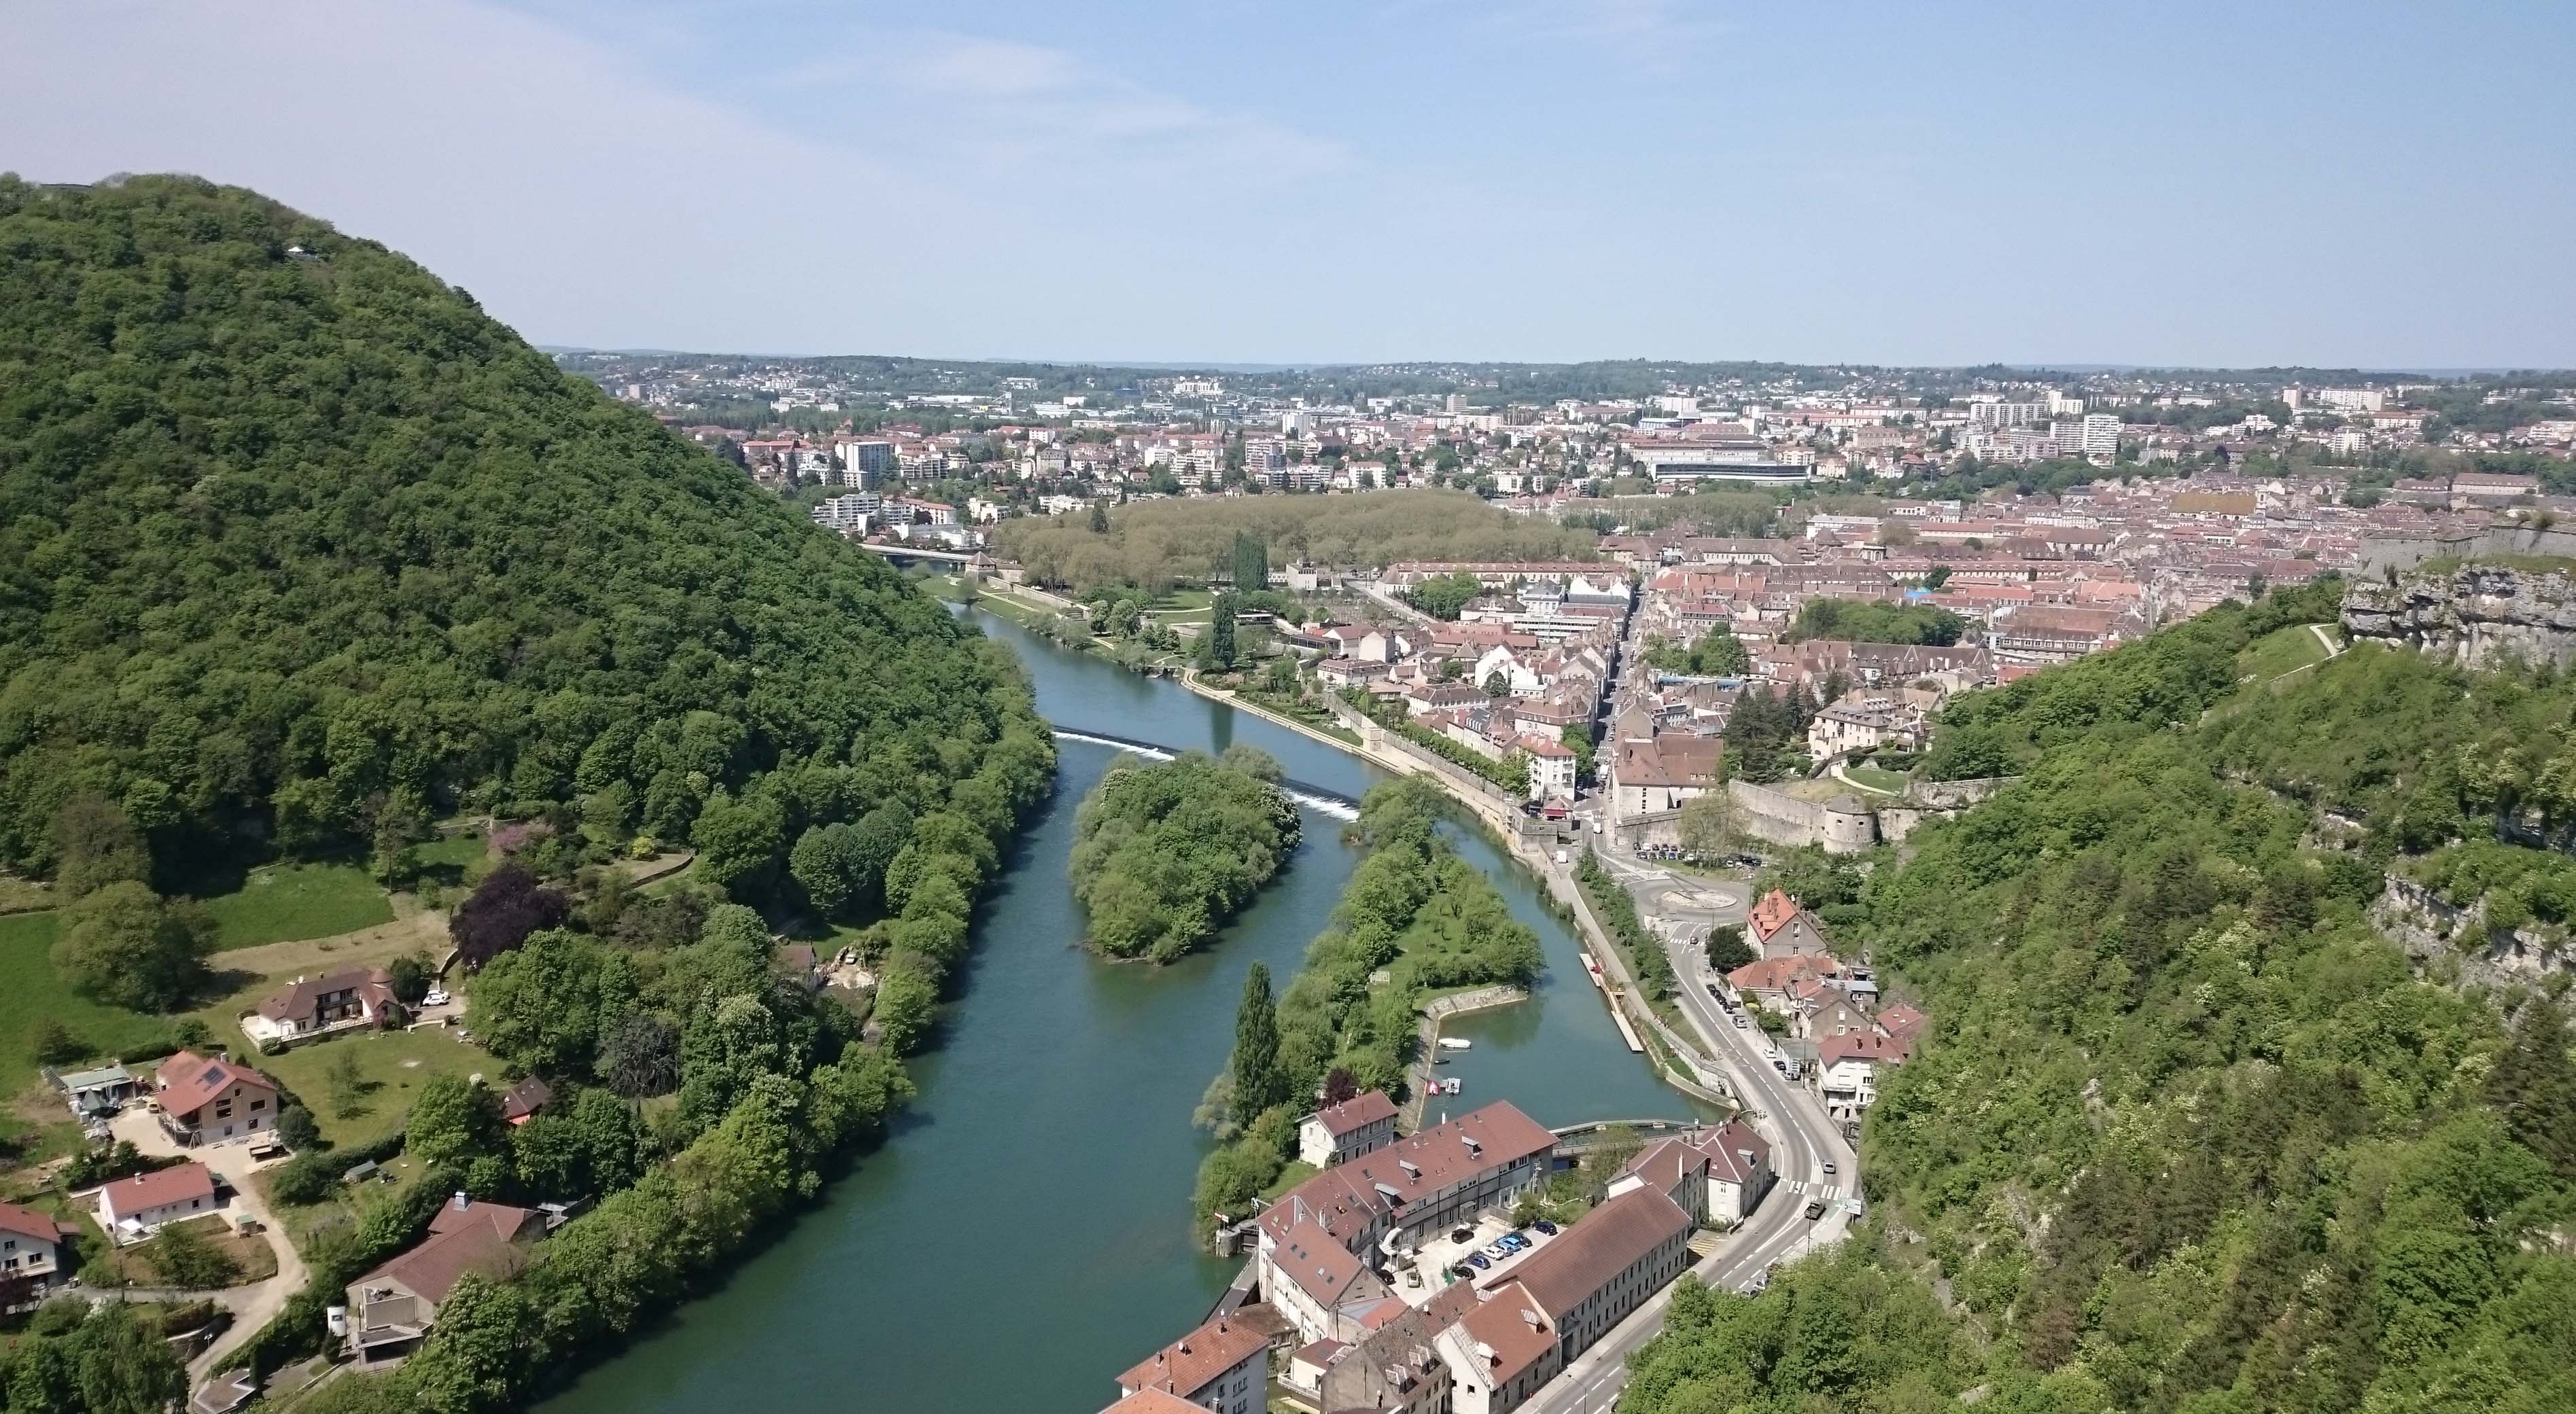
x: 132, y: 1209
x: 1335, y: 1134
x: 1394, y: 1368
x: 31, y: 1255
x: 522, y: 1102
x: 349, y: 1000
x: 392, y: 1308
x: 1383, y: 1201
x: 1223, y: 1366
x: 210, y: 1100
x: 1594, y: 1273
x: 1773, y: 981
x: 1664, y: 770
x: 1779, y: 927
x: 1847, y: 1070
x: 1152, y: 1401
x: 1500, y: 1353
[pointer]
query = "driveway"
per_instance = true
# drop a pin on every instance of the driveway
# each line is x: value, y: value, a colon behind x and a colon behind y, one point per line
x: 256, y: 1304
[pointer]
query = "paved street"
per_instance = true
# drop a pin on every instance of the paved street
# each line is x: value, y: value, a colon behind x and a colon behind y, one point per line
x: 254, y: 1305
x: 1803, y: 1139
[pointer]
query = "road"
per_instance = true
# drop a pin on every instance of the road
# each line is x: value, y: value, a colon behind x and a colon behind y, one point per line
x: 1803, y: 1139
x: 255, y: 1304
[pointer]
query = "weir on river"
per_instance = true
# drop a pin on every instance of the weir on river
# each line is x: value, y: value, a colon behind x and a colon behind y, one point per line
x: 1023, y: 1235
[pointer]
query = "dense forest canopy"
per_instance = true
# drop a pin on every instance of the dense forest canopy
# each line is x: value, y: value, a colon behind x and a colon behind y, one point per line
x: 2188, y: 1134
x: 1154, y: 545
x: 1165, y: 852
x: 296, y: 542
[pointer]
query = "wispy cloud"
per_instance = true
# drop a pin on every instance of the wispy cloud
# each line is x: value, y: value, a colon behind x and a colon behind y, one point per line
x: 1011, y: 109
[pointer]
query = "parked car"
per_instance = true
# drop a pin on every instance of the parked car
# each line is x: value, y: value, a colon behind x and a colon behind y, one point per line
x: 1412, y: 1276
x: 1544, y: 1226
x: 1461, y: 1234
x: 1478, y: 1260
x: 1714, y: 993
x: 1461, y: 1269
x: 436, y: 996
x: 1515, y: 1241
x: 1739, y: 1021
x: 1815, y: 1209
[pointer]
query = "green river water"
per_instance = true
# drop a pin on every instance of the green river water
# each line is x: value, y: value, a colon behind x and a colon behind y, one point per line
x: 1022, y: 1237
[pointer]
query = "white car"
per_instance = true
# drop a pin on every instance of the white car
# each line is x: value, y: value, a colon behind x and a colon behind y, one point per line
x: 437, y: 996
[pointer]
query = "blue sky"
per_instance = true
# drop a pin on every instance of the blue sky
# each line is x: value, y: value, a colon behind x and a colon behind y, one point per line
x: 2368, y: 184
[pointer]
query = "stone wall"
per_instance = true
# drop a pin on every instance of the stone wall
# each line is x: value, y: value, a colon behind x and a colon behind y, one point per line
x: 1842, y: 825
x: 2478, y: 616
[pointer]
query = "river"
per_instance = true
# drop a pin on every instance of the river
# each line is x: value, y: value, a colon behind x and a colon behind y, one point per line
x: 1023, y: 1235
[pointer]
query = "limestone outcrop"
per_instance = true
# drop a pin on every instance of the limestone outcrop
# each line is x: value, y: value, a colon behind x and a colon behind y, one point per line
x: 2475, y: 615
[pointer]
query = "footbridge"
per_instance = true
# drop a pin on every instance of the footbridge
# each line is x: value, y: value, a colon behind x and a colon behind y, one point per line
x: 1576, y: 1140
x: 1333, y: 803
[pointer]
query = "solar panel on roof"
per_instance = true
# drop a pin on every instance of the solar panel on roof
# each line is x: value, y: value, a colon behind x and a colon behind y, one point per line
x: 213, y: 1074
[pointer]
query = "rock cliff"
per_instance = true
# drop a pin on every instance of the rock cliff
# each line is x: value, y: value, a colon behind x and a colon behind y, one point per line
x: 2477, y: 615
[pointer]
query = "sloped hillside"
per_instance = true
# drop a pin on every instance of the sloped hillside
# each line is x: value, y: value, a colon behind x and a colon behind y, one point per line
x: 296, y: 542
x: 2187, y: 1133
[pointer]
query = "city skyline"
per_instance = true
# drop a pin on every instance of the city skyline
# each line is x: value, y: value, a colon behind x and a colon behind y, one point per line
x: 2200, y: 188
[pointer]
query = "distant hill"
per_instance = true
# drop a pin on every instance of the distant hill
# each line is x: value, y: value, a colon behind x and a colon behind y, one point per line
x: 296, y: 542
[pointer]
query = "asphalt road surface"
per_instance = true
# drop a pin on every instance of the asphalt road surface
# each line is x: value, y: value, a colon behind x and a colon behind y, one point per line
x: 1803, y: 1141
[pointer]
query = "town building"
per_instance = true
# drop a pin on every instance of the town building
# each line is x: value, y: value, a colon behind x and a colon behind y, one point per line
x: 353, y: 999
x: 1335, y: 1134
x: 1317, y: 1243
x: 391, y: 1309
x: 31, y: 1255
x: 206, y: 1100
x: 1223, y: 1366
x: 133, y: 1208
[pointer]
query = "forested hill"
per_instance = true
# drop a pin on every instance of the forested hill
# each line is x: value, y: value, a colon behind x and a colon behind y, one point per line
x: 294, y: 537
x: 2187, y: 1133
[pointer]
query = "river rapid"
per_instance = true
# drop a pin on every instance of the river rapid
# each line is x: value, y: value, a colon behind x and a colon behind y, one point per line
x: 1023, y: 1235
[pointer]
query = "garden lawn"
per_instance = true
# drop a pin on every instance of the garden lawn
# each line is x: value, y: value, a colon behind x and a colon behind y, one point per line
x: 31, y: 994
x: 392, y: 1068
x: 2280, y: 651
x: 1877, y: 778
x: 284, y: 903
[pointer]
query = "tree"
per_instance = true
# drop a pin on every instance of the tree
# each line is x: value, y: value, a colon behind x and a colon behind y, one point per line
x: 545, y: 1006
x: 1216, y: 649
x: 501, y: 912
x: 410, y: 976
x: 823, y: 865
x: 1251, y: 563
x: 1099, y: 518
x: 56, y: 1045
x: 96, y: 845
x: 1258, y: 1081
x: 738, y: 842
x: 1340, y: 1085
x: 184, y: 1258
x: 1727, y: 949
x: 454, y: 1120
x: 348, y: 1088
x: 640, y: 1057
x: 1496, y: 685
x: 123, y: 945
x: 296, y: 1129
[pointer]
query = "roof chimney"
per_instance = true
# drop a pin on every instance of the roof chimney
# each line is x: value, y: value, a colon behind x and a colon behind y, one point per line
x: 461, y: 1200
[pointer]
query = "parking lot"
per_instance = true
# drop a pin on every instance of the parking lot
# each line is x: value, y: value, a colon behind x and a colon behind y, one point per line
x: 1440, y: 1253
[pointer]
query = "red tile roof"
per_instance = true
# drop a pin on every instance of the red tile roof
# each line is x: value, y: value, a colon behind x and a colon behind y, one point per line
x: 1153, y: 1401
x: 1187, y: 1365
x: 1588, y: 1256
x: 1772, y: 913
x: 159, y: 1188
x: 1510, y: 1332
x: 186, y: 1081
x: 1346, y: 1198
x: 1357, y: 1112
x: 1860, y: 1045
x: 27, y: 1222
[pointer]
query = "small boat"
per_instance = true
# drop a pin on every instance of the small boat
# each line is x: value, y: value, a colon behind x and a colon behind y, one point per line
x: 1450, y: 1086
x: 1455, y: 1043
